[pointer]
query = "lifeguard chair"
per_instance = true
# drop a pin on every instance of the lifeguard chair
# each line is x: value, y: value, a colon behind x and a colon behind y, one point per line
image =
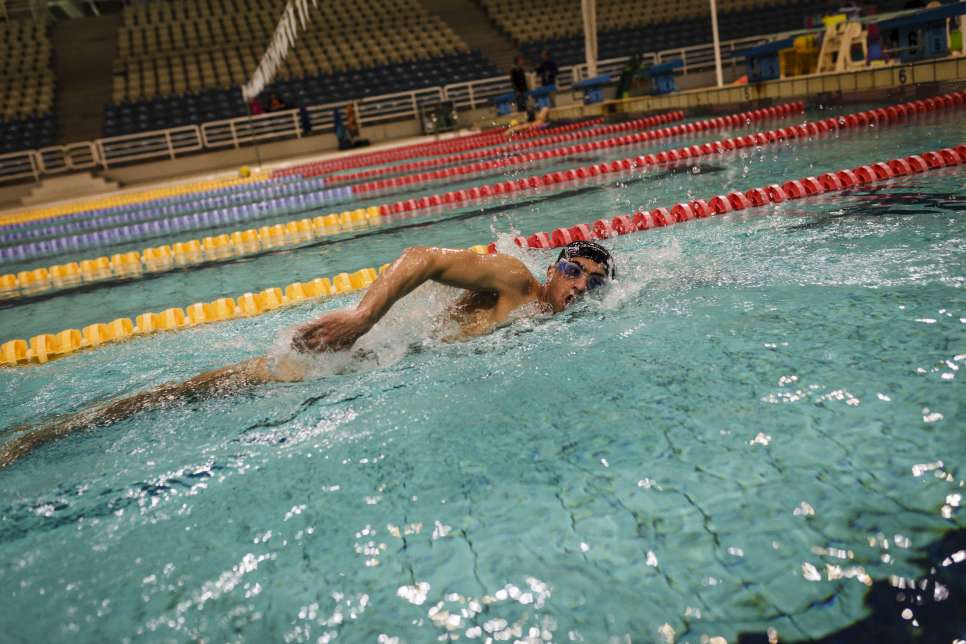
x: 844, y: 47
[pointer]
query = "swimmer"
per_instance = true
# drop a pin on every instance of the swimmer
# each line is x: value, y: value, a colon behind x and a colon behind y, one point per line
x: 495, y: 286
x: 534, y: 121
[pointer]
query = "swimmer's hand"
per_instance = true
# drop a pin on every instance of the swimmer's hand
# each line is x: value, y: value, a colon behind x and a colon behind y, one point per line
x: 331, y: 332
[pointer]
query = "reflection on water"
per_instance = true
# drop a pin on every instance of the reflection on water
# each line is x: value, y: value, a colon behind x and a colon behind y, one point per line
x: 929, y: 607
x: 751, y: 431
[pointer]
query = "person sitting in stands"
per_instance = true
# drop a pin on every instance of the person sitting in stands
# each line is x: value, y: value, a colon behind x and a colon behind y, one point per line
x: 276, y: 104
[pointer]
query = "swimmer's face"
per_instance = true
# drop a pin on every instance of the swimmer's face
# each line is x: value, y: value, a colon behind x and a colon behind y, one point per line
x: 566, y: 284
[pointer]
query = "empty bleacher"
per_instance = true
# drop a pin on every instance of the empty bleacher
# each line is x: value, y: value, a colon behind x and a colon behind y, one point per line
x: 26, y: 87
x: 181, y: 63
x: 627, y: 27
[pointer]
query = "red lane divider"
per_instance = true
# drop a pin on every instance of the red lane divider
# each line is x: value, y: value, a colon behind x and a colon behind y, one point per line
x: 811, y: 128
x: 463, y: 143
x: 752, y: 198
x: 504, y: 149
x: 581, y: 148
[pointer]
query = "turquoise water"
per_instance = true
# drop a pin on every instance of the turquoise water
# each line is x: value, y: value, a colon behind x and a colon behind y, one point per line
x: 761, y: 418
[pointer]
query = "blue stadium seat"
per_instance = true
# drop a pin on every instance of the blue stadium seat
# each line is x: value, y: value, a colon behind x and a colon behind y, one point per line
x: 210, y: 105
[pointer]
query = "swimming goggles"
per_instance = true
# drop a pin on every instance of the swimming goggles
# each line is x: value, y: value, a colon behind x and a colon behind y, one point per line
x: 572, y: 271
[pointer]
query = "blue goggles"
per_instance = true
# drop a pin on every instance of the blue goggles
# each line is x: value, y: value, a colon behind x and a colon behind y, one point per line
x: 572, y: 271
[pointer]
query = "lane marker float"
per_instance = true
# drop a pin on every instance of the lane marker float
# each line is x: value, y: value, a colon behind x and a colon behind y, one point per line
x: 133, y: 265
x: 44, y: 347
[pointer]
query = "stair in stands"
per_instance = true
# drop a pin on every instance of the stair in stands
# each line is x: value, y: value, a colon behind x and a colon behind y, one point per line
x: 20, y: 10
x: 472, y: 24
x: 68, y: 186
x: 84, y: 51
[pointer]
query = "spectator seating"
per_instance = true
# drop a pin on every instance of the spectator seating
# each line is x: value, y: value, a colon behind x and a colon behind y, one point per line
x: 627, y: 27
x: 211, y: 105
x: 26, y: 87
x: 181, y: 62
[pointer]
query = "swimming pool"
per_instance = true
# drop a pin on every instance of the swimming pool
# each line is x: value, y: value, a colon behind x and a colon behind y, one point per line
x: 760, y: 421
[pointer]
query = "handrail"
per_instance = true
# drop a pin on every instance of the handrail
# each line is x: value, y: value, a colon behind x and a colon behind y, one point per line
x: 236, y: 132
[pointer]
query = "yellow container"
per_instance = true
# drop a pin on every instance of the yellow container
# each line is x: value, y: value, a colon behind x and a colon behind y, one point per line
x: 363, y: 278
x: 221, y: 309
x: 342, y: 283
x: 481, y: 250
x: 42, y: 347
x: 169, y: 319
x: 332, y: 221
x: 359, y: 216
x: 372, y: 214
x: 319, y: 287
x: 249, y: 305
x: 13, y: 352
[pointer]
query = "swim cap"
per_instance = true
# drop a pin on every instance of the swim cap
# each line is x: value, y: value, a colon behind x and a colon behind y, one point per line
x: 592, y: 251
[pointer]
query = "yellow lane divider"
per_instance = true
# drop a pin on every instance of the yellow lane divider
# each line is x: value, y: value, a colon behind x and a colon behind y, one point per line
x: 133, y: 264
x: 94, y: 203
x: 48, y: 346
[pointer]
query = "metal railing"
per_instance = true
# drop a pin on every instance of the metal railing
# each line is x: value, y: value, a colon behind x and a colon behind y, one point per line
x: 291, y: 124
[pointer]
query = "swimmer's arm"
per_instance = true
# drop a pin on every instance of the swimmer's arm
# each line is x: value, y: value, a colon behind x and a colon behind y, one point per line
x: 460, y: 268
x: 223, y: 381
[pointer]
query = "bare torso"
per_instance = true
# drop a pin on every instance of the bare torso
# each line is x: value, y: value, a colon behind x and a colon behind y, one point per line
x: 478, y: 312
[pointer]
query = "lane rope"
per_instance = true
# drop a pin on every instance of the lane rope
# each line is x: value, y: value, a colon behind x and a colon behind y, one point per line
x: 433, y: 148
x: 44, y: 347
x: 53, y: 212
x: 225, y: 247
x: 502, y: 150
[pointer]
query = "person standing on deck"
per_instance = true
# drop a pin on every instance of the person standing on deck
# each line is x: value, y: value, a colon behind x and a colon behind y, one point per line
x: 547, y: 70
x: 518, y: 78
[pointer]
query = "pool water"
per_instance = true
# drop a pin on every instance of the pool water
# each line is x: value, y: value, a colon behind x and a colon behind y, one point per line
x: 761, y: 421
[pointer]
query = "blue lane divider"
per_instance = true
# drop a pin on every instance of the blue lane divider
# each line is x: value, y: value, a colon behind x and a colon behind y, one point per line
x: 155, y: 227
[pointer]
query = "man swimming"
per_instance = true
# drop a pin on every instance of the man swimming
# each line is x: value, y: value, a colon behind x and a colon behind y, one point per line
x: 495, y: 286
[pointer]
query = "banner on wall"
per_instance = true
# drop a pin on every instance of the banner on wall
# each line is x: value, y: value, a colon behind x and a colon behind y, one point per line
x: 295, y: 18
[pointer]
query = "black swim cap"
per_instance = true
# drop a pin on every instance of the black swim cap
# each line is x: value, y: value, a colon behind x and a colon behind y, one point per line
x: 592, y: 251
